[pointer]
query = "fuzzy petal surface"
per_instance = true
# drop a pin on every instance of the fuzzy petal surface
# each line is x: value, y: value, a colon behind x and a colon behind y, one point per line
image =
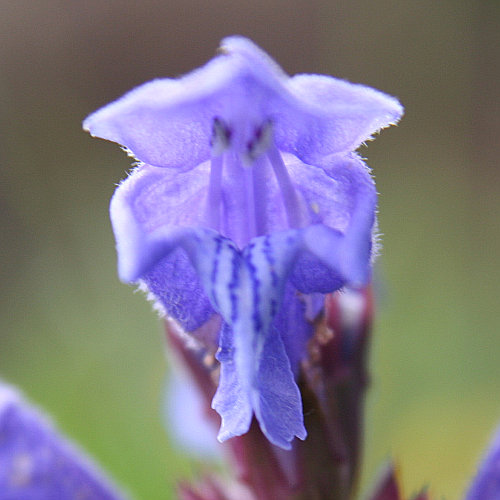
x: 168, y: 122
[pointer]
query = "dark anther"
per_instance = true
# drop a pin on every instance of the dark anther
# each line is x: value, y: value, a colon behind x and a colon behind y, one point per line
x: 260, y: 140
x: 221, y: 134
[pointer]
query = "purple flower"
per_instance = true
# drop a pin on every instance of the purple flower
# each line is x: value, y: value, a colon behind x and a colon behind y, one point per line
x: 191, y: 431
x: 486, y: 483
x: 36, y: 463
x: 246, y: 206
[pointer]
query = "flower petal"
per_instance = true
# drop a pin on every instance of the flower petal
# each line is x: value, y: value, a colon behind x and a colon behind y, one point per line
x: 294, y: 324
x: 486, y: 483
x: 277, y: 402
x: 344, y: 241
x: 261, y: 365
x: 191, y: 430
x: 333, y: 188
x: 350, y: 228
x: 231, y: 402
x: 338, y: 116
x: 275, y: 399
x: 148, y: 211
x: 177, y: 290
x: 168, y: 122
x: 37, y: 463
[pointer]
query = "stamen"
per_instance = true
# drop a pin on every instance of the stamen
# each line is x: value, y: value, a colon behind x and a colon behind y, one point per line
x: 260, y: 198
x: 220, y: 141
x: 260, y: 143
x: 221, y: 137
x: 289, y: 196
x: 250, y: 201
x: 214, y: 196
x: 255, y: 164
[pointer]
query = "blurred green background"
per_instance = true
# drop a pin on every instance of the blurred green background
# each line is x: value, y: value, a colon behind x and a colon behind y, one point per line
x: 91, y: 352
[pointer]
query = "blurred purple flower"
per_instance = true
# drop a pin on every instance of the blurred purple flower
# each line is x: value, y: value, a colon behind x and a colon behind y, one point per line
x: 486, y: 483
x: 36, y: 463
x: 190, y: 430
x: 248, y: 203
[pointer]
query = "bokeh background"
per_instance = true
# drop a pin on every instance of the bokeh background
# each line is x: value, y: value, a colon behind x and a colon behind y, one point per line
x: 91, y: 352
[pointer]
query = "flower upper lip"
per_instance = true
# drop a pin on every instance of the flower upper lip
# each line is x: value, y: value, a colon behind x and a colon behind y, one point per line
x: 168, y: 123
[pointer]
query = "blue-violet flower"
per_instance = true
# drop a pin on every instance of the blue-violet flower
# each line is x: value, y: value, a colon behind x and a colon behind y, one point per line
x: 486, y: 483
x: 247, y: 205
x: 36, y: 462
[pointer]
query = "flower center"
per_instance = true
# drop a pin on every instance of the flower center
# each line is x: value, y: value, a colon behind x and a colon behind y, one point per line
x: 245, y: 153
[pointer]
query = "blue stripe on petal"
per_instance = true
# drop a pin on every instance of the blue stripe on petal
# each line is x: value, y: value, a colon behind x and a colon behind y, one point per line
x: 217, y: 262
x: 259, y: 365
